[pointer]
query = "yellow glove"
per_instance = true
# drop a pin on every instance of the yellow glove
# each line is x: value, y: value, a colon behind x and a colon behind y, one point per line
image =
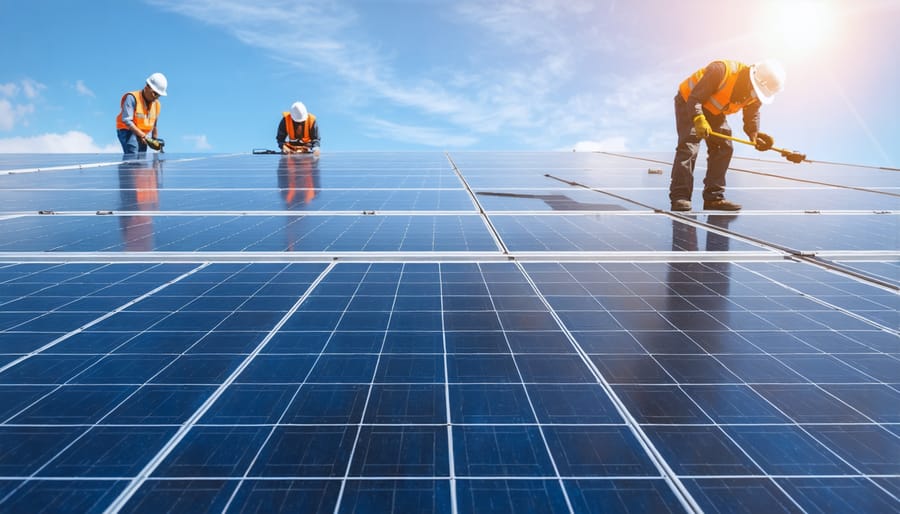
x: 701, y: 126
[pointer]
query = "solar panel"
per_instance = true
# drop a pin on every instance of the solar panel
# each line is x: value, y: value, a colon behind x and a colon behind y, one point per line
x: 427, y: 332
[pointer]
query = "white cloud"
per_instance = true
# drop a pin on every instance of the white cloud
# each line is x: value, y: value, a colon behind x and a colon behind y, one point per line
x: 200, y: 142
x: 10, y: 89
x: 612, y: 144
x: 32, y: 89
x: 83, y: 89
x: 70, y: 142
x: 11, y: 113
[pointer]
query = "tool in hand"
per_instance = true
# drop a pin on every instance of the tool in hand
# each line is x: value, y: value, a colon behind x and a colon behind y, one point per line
x: 790, y: 155
x: 156, y: 144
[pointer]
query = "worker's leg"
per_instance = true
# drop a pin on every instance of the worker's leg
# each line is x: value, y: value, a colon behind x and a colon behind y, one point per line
x: 682, y: 183
x: 719, y: 158
x: 130, y: 143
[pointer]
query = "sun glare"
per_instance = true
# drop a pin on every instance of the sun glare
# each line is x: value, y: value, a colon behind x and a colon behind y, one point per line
x: 801, y: 26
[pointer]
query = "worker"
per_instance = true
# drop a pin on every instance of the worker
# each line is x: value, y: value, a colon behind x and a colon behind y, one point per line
x: 136, y: 122
x: 703, y: 101
x: 298, y: 131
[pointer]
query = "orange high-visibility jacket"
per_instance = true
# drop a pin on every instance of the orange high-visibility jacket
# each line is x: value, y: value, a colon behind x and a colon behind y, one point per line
x: 143, y: 119
x: 289, y: 126
x: 720, y: 101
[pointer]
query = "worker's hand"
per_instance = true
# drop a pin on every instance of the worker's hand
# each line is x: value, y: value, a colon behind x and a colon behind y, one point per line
x: 155, y: 144
x: 701, y: 126
x: 763, y: 142
x: 286, y: 149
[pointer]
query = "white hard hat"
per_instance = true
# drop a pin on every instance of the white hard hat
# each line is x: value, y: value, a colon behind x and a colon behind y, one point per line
x: 158, y: 83
x: 298, y: 112
x: 767, y: 78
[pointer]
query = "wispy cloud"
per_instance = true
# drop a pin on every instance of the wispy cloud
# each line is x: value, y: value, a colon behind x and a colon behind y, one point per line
x: 82, y: 89
x: 69, y: 142
x: 12, y: 111
x: 199, y: 141
x: 427, y: 136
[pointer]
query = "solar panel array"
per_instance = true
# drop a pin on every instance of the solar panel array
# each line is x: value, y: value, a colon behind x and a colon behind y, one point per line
x: 453, y: 333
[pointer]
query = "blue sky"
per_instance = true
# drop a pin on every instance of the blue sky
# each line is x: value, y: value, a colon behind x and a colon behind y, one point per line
x: 404, y: 75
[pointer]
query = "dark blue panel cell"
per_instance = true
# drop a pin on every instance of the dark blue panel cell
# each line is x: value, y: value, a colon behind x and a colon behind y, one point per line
x: 213, y: 452
x: 160, y: 404
x: 481, y: 368
x: 884, y: 368
x: 356, y: 342
x: 58, y: 321
x: 527, y: 320
x: 786, y: 450
x: 809, y: 404
x: 416, y: 320
x: 483, y: 404
x: 23, y: 450
x: 199, y: 369
x: 879, y: 402
x: 123, y: 369
x: 510, y: 496
x: 130, y: 321
x: 344, y: 369
x: 776, y: 342
x: 416, y: 303
x: 823, y: 369
x: 700, y: 450
x: 313, y: 320
x: 539, y: 342
x: 597, y: 451
x: 471, y: 320
x: 869, y: 448
x: 468, y: 303
x: 310, y: 451
x: 696, y: 369
x: 827, y: 495
x: 513, y: 451
x: 25, y: 342
x: 297, y: 342
x: 740, y: 496
x: 395, y: 451
x: 160, y: 342
x: 74, y: 405
x: 63, y: 496
x: 47, y: 369
x: 339, y: 404
x: 359, y: 303
x: 737, y: 404
x: 414, y: 342
x: 548, y: 368
x: 407, y: 368
x: 572, y: 404
x: 608, y: 341
x: 414, y: 403
x: 109, y: 452
x: 476, y: 342
x: 760, y: 369
x: 15, y: 398
x: 722, y: 342
x: 667, y: 341
x: 92, y: 342
x: 251, y: 320
x: 180, y: 496
x: 273, y: 369
x: 588, y: 320
x: 631, y: 369
x: 228, y: 342
x: 249, y: 404
x: 267, y: 496
x: 660, y: 404
x: 424, y: 496
x: 624, y: 496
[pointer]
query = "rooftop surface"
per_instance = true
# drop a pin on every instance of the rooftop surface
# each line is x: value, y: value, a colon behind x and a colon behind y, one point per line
x: 445, y: 332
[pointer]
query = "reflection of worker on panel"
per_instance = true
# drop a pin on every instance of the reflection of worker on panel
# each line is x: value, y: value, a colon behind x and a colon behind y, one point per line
x: 139, y: 183
x: 298, y: 180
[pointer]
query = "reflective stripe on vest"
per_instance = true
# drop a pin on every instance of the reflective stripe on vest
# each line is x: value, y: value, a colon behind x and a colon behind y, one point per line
x: 289, y: 126
x: 142, y: 119
x: 720, y: 101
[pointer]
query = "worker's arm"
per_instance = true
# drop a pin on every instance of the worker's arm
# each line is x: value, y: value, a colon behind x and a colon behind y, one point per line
x: 314, y: 135
x: 707, y: 86
x: 751, y: 120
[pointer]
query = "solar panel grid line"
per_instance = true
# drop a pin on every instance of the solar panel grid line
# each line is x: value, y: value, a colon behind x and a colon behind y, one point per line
x: 454, y: 501
x: 100, y: 319
x: 138, y: 480
x: 681, y: 492
x: 498, y: 240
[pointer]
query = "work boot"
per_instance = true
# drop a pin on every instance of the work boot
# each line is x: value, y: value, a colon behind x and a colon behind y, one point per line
x: 720, y: 205
x: 681, y: 205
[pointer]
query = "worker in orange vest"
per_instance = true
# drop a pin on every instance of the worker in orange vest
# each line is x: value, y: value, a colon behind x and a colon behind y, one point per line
x: 136, y: 122
x: 298, y: 131
x: 703, y: 101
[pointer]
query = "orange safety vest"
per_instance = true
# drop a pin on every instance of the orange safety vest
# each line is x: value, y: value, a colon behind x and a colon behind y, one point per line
x: 289, y: 125
x: 720, y: 101
x: 143, y: 119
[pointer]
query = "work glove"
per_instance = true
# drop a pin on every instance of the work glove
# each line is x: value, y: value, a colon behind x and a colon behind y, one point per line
x: 701, y: 126
x: 763, y: 142
x: 156, y: 144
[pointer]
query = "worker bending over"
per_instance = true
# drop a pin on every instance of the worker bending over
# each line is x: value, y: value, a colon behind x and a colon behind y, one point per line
x: 298, y: 131
x: 136, y: 122
x: 703, y: 101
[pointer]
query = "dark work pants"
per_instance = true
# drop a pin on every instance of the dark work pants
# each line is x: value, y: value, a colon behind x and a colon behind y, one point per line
x: 719, y: 153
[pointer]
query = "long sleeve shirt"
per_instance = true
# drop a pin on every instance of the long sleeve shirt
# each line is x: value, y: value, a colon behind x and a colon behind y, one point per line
x: 709, y: 84
x: 281, y: 135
